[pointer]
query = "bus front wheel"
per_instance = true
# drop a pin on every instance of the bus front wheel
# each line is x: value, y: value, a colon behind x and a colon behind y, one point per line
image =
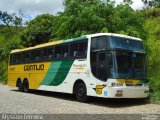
x: 81, y: 92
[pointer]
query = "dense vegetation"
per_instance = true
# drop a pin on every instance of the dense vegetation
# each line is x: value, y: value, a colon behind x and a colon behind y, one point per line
x: 9, y: 40
x: 85, y: 17
x: 152, y: 28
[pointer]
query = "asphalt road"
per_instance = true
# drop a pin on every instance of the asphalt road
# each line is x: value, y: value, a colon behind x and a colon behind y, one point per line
x: 42, y: 102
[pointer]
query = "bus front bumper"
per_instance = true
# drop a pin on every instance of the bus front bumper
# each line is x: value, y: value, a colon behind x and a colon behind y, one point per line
x: 128, y: 92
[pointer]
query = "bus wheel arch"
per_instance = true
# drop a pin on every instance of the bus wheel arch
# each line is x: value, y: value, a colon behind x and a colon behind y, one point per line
x: 26, y: 85
x: 19, y: 84
x: 80, y: 91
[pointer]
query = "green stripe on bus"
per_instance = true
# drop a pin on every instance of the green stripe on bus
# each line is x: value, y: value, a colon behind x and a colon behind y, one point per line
x: 52, y: 71
x: 74, y: 39
x: 144, y: 81
x: 62, y: 72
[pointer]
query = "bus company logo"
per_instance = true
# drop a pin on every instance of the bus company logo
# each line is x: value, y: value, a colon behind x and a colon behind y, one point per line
x: 99, y: 89
x: 79, y: 66
x: 34, y: 67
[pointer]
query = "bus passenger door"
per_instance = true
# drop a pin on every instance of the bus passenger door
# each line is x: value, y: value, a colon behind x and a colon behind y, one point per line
x: 101, y: 66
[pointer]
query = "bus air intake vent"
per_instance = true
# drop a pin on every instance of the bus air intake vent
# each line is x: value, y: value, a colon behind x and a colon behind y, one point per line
x: 138, y: 85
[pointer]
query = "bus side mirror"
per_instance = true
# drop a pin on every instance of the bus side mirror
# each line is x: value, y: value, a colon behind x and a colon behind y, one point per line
x: 109, y: 59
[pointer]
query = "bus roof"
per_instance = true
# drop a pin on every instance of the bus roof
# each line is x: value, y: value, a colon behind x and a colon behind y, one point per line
x: 115, y: 35
x: 74, y: 39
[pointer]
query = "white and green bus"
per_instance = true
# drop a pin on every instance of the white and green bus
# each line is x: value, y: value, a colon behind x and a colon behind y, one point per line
x: 101, y: 65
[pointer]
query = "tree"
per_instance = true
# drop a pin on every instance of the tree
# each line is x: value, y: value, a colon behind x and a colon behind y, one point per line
x: 39, y: 30
x: 4, y: 55
x: 88, y: 16
x: 1, y: 55
x: 152, y: 27
x: 152, y: 3
x: 81, y: 17
x: 128, y: 2
x: 127, y: 21
x: 6, y: 18
x: 10, y: 19
x: 8, y: 48
x: 17, y: 21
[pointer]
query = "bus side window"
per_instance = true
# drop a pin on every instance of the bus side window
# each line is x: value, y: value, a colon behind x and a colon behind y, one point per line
x: 31, y: 56
x: 51, y: 53
x: 58, y: 52
x: 82, y: 48
x: 37, y: 55
x: 22, y: 57
x: 74, y: 50
x: 94, y: 43
x: 75, y: 53
x: 31, y: 59
x: 11, y: 59
x: 102, y: 43
x: 14, y: 59
x: 44, y: 54
x: 65, y: 51
x: 27, y: 56
x: 18, y: 58
x: 98, y: 43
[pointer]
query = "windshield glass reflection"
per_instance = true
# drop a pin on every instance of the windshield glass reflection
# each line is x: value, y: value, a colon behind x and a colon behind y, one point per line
x: 129, y: 65
x: 123, y: 43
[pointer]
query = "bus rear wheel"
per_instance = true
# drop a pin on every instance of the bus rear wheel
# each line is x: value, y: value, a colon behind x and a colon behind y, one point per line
x: 81, y: 92
x: 20, y: 86
x: 26, y: 86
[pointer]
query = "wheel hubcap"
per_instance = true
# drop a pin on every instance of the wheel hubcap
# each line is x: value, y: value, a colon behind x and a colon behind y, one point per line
x: 80, y: 92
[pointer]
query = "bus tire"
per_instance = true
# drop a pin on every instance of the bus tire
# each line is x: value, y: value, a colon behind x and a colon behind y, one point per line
x: 26, y: 85
x: 81, y: 92
x: 20, y: 86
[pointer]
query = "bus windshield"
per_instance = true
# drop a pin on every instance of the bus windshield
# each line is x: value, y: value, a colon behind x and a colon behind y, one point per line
x: 127, y: 57
x: 124, y: 43
x: 130, y: 65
